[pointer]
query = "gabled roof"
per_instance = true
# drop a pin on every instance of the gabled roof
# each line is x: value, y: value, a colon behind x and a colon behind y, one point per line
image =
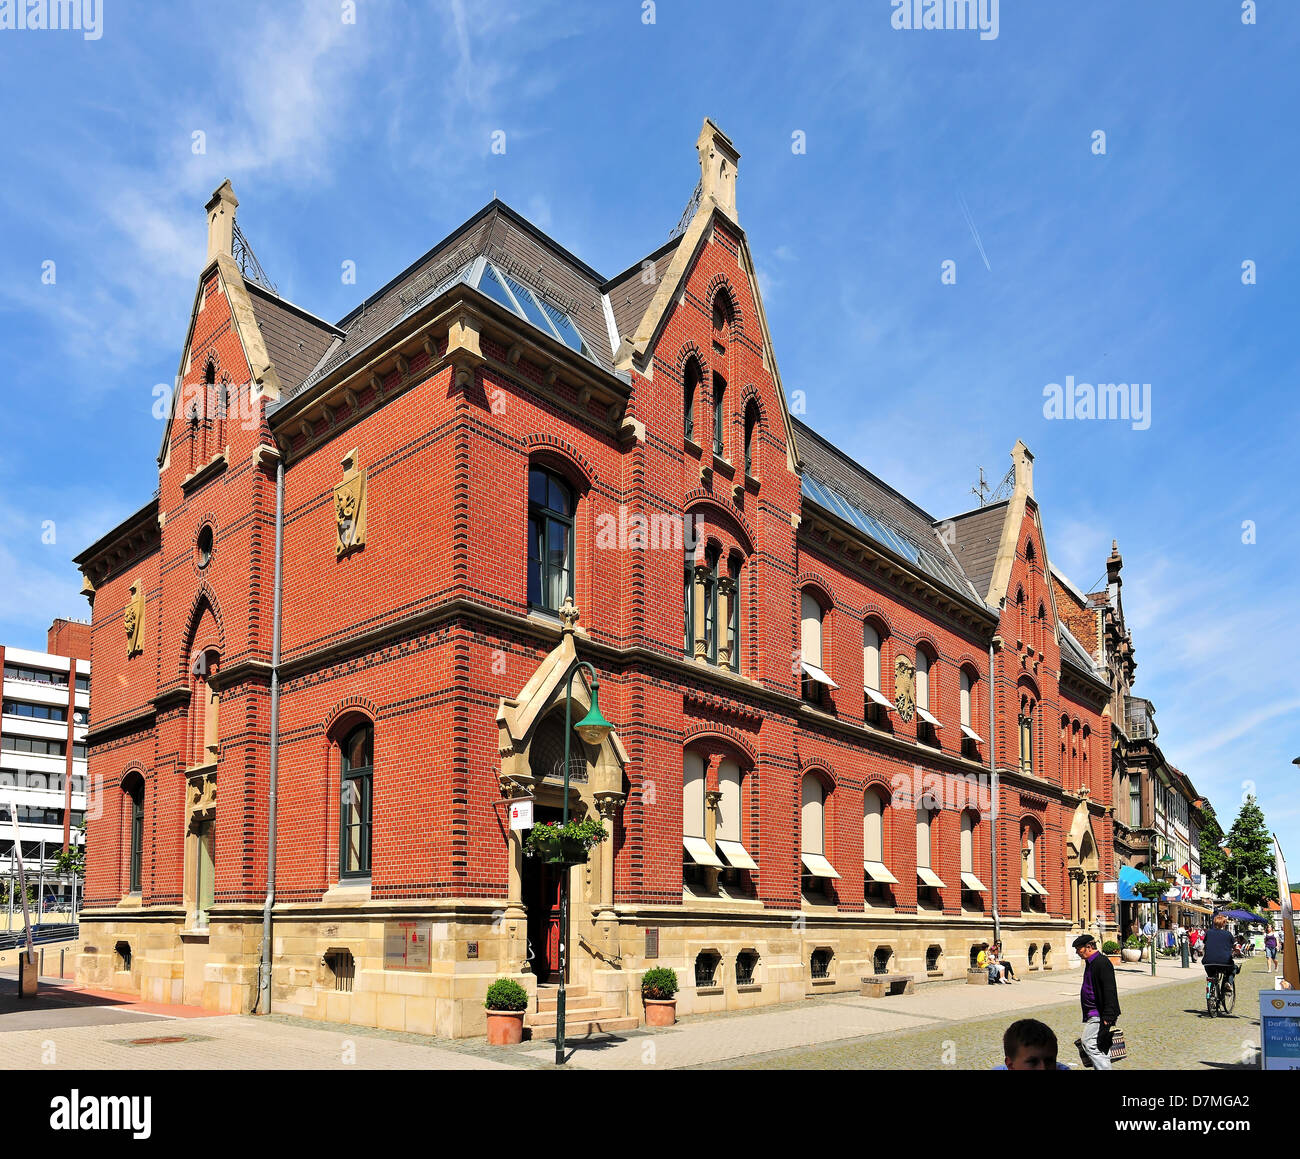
x: 975, y: 538
x: 858, y: 497
x: 631, y: 291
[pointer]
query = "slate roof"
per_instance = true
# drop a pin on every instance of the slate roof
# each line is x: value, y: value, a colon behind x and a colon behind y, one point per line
x: 630, y: 293
x: 295, y: 340
x: 829, y: 466
x: 518, y: 247
x: 1072, y: 650
x: 975, y: 544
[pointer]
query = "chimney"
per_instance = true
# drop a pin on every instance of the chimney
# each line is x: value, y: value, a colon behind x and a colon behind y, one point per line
x: 718, y: 163
x: 1114, y: 564
x: 221, y: 221
x: 1023, y: 458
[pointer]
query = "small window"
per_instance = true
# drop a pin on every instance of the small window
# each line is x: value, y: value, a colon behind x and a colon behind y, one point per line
x: 122, y: 956
x: 933, y: 960
x: 881, y: 959
x: 746, y: 964
x: 1047, y: 955
x: 706, y: 969
x: 820, y: 962
x: 204, y: 546
x: 340, y: 969
x: 1033, y: 955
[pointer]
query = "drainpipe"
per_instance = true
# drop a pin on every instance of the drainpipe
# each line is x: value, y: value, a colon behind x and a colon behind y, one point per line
x: 993, y: 818
x: 264, y: 971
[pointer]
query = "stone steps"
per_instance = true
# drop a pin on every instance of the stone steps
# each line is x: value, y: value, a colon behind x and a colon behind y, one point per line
x: 605, y: 1021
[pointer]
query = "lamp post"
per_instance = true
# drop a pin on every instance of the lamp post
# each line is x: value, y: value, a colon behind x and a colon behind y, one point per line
x: 1165, y: 862
x: 593, y: 728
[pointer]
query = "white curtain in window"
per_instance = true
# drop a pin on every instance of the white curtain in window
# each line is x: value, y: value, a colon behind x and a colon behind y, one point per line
x: 873, y: 827
x: 693, y: 796
x: 871, y: 657
x: 923, y: 838
x: 811, y: 638
x: 965, y: 699
x: 813, y: 833
x: 1032, y: 845
x: 922, y: 679
x: 729, y: 804
x: 967, y: 843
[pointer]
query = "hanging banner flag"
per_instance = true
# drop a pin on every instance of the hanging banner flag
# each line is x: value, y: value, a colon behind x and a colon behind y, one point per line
x: 1290, y: 962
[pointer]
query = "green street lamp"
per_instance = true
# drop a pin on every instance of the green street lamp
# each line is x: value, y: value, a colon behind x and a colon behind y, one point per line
x: 593, y: 728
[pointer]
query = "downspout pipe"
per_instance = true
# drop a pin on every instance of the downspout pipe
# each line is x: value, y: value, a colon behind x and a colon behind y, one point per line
x: 264, y: 970
x: 993, y: 797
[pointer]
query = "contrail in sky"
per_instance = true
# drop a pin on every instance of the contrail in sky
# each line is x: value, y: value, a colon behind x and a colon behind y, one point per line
x: 979, y: 245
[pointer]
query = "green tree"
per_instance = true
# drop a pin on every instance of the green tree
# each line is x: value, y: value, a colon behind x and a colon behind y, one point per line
x: 1250, y: 870
x: 73, y: 860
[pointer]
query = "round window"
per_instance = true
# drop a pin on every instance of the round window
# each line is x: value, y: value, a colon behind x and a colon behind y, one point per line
x: 205, y: 546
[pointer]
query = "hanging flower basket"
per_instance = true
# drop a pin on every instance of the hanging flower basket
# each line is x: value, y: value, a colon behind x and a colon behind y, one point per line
x: 565, y: 844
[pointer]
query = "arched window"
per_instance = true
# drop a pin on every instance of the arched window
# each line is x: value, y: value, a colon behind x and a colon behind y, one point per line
x: 133, y: 787
x: 550, y: 540
x: 730, y: 836
x: 814, y: 678
x: 812, y: 834
x: 733, y: 614
x: 688, y: 597
x: 969, y: 736
x: 751, y: 429
x: 1085, y: 745
x: 690, y: 389
x: 710, y: 594
x: 719, y: 413
x: 971, y: 884
x: 205, y: 710
x: 1031, y: 853
x: 876, y: 705
x: 927, y: 880
x: 1026, y: 722
x: 927, y: 722
x: 356, y: 801
x: 875, y: 870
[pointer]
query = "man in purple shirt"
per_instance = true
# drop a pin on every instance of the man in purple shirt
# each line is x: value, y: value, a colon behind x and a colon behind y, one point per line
x: 1099, y: 1000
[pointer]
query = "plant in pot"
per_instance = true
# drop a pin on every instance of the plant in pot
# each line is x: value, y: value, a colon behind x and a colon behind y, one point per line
x: 506, y: 1002
x: 562, y: 844
x: 658, y: 993
x: 1132, y: 951
x: 1111, y: 950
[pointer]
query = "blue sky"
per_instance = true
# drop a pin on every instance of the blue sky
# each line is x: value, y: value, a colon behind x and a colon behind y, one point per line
x: 369, y: 141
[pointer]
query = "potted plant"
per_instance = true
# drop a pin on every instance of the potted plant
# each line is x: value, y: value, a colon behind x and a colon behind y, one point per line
x: 565, y: 844
x: 1111, y: 950
x: 658, y: 990
x: 1132, y: 951
x: 506, y: 1002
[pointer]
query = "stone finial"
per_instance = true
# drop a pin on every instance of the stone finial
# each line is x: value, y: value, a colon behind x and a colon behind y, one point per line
x: 221, y: 220
x: 569, y: 614
x: 719, y: 161
x: 1023, y: 460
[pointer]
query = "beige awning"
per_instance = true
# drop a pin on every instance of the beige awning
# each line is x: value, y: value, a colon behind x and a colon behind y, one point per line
x: 817, y: 865
x: 929, y: 877
x: 971, y: 734
x: 925, y: 715
x: 877, y: 871
x: 817, y: 674
x: 973, y: 883
x: 701, y: 853
x: 878, y: 697
x: 736, y: 854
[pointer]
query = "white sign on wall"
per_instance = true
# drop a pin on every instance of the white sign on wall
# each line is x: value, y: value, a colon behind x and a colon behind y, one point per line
x: 1110, y: 887
x: 521, y: 813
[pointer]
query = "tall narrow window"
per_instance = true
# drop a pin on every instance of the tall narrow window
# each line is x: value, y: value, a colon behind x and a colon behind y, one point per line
x: 711, y: 607
x: 876, y: 875
x: 875, y: 704
x: 688, y: 599
x: 1026, y: 735
x: 965, y: 699
x: 690, y: 388
x: 550, y: 540
x: 814, y: 676
x: 812, y: 840
x: 135, y: 791
x: 922, y: 679
x: 356, y: 802
x: 719, y: 412
x: 730, y: 840
x: 751, y: 429
x: 699, y: 856
x: 733, y: 616
x: 204, y: 871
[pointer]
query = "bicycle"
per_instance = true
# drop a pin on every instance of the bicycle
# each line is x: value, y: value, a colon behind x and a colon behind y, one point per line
x: 1220, y: 991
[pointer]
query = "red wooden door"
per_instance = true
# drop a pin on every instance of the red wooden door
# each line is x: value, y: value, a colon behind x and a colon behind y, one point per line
x: 554, y: 929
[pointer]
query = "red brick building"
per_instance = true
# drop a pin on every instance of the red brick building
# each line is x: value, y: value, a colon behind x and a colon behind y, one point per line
x: 796, y: 658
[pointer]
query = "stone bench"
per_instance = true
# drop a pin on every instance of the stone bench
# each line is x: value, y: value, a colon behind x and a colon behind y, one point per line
x: 975, y: 977
x: 882, y: 985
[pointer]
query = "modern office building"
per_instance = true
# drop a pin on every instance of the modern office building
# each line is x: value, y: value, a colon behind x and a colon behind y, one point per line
x: 43, y: 759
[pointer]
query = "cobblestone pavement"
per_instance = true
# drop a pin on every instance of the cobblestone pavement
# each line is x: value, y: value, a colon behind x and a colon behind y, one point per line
x: 940, y: 1026
x: 1166, y: 1028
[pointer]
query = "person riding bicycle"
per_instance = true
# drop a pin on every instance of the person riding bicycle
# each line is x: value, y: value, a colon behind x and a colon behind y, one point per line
x: 1218, y: 949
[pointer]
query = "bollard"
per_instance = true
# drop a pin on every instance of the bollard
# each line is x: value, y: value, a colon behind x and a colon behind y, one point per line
x: 61, y: 953
x: 1187, y: 957
x: 41, y: 968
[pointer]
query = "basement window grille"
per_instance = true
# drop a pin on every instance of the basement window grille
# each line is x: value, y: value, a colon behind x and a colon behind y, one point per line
x: 342, y: 968
x: 820, y: 963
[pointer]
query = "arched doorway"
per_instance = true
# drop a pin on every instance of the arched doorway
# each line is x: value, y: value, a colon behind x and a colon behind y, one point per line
x: 1084, y: 866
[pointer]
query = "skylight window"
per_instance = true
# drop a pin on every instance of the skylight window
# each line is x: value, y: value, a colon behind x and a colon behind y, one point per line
x: 529, y: 305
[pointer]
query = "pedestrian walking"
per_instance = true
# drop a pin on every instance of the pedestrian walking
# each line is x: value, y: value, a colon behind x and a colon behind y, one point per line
x: 1099, y: 1001
x: 1270, y: 950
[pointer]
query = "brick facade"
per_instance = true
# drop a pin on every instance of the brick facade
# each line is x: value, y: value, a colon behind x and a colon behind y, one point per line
x: 427, y: 633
